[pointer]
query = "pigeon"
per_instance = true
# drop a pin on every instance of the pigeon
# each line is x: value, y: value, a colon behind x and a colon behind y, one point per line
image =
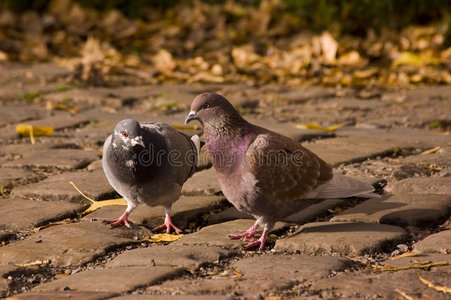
x: 147, y: 163
x: 264, y: 173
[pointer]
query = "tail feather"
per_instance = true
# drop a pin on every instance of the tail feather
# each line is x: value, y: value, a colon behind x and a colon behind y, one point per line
x: 341, y: 186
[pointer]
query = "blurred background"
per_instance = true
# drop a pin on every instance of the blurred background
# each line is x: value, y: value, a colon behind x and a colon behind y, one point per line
x: 360, y: 43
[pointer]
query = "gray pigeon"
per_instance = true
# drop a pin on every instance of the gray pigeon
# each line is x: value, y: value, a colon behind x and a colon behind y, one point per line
x: 263, y: 173
x: 148, y: 163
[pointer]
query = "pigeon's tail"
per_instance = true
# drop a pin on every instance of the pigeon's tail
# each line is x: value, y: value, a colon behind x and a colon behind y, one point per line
x: 341, y: 186
x: 196, y: 140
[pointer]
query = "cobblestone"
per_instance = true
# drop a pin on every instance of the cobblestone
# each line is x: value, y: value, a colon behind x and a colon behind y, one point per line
x: 69, y: 244
x: 328, y: 250
x: 436, y: 243
x: 93, y: 184
x: 20, y: 214
x: 417, y: 210
x: 342, y: 238
x: 216, y: 235
x: 112, y: 280
x: 172, y: 255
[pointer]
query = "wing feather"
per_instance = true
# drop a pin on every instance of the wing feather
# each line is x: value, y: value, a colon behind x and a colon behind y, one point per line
x: 285, y: 170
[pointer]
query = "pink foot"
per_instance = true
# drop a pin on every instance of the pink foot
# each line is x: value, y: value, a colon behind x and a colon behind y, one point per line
x: 258, y: 242
x: 244, y: 235
x: 121, y: 220
x: 168, y: 225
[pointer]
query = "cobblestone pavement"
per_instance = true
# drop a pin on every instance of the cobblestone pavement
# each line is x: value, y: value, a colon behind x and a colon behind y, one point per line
x: 396, y: 247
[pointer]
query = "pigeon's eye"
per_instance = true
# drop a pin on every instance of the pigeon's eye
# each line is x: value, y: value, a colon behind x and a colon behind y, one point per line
x: 124, y: 134
x: 207, y: 105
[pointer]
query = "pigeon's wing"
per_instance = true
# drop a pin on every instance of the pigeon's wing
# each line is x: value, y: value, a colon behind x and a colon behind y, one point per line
x: 284, y: 170
x: 182, y: 153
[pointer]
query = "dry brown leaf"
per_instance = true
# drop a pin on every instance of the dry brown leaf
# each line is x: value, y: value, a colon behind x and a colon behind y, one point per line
x: 434, y: 286
x: 164, y: 61
x: 237, y: 273
x: 405, y: 254
x: 35, y: 263
x: 404, y: 294
x: 60, y: 275
x: 430, y: 151
x: 329, y: 47
x: 423, y: 266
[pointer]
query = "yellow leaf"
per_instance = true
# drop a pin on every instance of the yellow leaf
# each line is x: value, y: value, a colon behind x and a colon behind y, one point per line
x: 25, y: 130
x: 164, y: 237
x: 414, y: 59
x: 95, y: 205
x: 317, y: 126
x: 71, y: 109
x: 32, y: 131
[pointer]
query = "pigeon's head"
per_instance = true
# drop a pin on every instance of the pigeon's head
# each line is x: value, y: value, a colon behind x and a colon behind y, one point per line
x: 209, y: 107
x: 127, y: 133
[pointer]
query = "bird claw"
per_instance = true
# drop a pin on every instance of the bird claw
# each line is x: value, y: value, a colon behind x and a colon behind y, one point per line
x: 255, y: 242
x: 121, y: 220
x: 246, y: 236
x: 168, y: 225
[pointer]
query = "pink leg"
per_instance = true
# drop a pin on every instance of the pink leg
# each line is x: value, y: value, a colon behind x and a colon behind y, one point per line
x: 168, y: 225
x: 121, y: 220
x: 245, y: 235
x: 259, y: 242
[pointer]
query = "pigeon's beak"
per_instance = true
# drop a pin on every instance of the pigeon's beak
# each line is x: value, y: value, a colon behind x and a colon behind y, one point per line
x: 191, y: 116
x: 138, y: 141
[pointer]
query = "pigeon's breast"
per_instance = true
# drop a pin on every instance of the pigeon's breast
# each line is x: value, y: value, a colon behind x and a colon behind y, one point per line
x: 240, y: 188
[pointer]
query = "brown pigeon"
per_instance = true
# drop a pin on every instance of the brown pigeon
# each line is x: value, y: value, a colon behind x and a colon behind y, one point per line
x: 147, y: 163
x: 263, y: 173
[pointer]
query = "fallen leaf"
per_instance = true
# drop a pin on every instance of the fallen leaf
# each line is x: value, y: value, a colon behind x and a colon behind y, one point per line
x: 35, y: 263
x: 164, y: 61
x: 317, y: 126
x: 351, y: 58
x: 405, y: 254
x: 71, y: 109
x: 436, y: 287
x: 237, y: 273
x: 164, y: 237
x: 430, y: 151
x: 61, y: 275
x: 424, y: 266
x: 95, y: 205
x: 329, y: 47
x: 404, y: 294
x: 415, y: 59
x: 32, y: 131
x: 427, y: 296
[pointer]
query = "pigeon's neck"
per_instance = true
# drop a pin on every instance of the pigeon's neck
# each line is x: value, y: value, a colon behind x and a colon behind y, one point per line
x: 227, y: 141
x: 225, y: 127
